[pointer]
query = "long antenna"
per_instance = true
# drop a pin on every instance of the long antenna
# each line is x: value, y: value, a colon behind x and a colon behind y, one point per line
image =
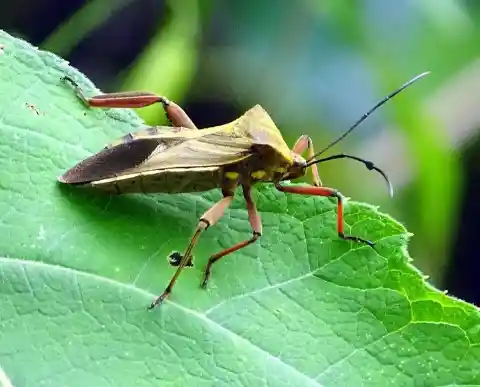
x: 377, y: 105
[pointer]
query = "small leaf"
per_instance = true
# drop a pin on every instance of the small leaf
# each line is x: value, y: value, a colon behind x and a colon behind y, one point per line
x: 299, y: 308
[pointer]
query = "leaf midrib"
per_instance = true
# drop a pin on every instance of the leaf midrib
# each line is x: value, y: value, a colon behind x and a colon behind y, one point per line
x: 48, y: 266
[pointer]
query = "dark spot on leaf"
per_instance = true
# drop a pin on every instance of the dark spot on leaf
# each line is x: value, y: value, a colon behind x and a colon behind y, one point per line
x: 33, y: 108
x: 175, y: 257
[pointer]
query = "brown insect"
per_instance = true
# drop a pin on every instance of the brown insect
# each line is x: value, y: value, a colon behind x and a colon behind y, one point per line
x: 242, y: 153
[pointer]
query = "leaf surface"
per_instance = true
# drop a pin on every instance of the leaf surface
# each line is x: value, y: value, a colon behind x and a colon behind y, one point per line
x: 299, y: 308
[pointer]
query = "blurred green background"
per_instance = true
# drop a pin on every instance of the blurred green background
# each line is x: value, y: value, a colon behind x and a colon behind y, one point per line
x: 316, y: 66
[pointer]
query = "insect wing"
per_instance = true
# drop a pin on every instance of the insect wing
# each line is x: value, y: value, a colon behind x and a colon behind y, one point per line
x: 110, y: 162
x: 214, y: 147
x: 257, y: 125
x: 161, y: 148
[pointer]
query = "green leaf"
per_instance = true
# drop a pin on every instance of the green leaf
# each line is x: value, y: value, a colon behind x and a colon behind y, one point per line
x: 299, y: 308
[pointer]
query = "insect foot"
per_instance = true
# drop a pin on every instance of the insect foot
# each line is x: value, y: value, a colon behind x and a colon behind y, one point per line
x: 160, y: 298
x: 356, y: 239
x: 206, y: 276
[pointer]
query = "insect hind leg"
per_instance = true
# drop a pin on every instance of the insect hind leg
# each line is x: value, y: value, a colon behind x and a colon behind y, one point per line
x: 209, y: 218
x: 134, y: 99
x: 256, y: 225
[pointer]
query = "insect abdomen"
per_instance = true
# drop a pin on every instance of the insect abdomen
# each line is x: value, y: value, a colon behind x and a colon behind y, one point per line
x: 175, y: 180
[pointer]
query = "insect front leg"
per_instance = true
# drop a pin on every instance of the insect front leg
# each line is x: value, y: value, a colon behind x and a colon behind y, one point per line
x: 256, y: 225
x: 209, y: 218
x: 329, y: 192
x: 134, y: 99
x: 304, y: 143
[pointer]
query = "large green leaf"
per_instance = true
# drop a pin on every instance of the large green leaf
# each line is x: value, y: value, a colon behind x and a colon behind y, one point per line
x: 300, y: 308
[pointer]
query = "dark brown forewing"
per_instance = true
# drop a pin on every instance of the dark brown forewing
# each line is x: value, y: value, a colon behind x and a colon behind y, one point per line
x: 110, y: 162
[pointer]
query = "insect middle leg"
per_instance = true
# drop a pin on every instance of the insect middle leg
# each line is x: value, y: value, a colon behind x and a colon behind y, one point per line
x: 135, y: 99
x: 304, y: 143
x: 255, y: 223
x: 329, y: 192
x: 209, y: 218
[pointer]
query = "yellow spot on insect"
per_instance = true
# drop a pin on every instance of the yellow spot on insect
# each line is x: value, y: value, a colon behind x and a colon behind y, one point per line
x: 258, y: 174
x: 231, y: 175
x: 280, y: 170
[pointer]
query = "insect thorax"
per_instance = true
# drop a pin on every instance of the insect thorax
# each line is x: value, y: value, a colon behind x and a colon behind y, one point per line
x: 264, y: 164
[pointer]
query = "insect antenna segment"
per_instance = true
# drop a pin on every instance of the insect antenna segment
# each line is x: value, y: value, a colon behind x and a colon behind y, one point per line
x: 364, y: 117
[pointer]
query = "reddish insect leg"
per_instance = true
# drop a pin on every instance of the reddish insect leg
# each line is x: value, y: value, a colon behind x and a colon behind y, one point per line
x: 134, y: 99
x: 330, y: 192
x: 256, y: 225
x: 208, y: 219
x: 305, y: 143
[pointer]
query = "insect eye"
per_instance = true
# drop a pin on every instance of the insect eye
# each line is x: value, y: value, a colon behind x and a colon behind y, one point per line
x: 299, y: 164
